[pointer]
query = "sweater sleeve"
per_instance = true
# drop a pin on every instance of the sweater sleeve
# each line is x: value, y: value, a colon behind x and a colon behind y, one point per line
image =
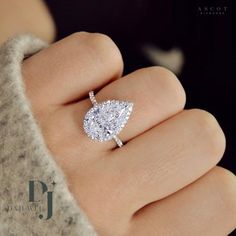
x: 34, y: 196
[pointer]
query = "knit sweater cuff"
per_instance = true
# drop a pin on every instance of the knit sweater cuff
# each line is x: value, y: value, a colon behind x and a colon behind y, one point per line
x: 34, y: 197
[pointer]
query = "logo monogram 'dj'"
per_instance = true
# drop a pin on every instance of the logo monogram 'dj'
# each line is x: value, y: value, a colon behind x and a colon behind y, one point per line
x: 44, y: 191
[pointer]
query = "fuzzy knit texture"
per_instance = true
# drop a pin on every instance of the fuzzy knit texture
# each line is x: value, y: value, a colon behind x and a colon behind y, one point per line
x: 24, y: 157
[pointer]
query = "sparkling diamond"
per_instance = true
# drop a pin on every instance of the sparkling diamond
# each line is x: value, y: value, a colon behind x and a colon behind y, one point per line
x: 105, y: 120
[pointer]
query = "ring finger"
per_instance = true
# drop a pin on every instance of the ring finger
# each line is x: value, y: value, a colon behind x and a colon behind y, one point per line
x: 155, y: 92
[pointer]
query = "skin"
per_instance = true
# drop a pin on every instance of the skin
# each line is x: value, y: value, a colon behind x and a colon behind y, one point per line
x: 164, y: 180
x: 23, y: 16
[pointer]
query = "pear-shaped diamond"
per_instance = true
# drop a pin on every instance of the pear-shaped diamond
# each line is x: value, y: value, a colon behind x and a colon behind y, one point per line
x: 105, y: 120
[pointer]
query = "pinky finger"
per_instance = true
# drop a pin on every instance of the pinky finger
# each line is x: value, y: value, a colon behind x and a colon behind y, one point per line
x: 206, y: 207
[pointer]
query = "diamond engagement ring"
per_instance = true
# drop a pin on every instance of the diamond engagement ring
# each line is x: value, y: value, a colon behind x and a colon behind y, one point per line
x: 105, y: 120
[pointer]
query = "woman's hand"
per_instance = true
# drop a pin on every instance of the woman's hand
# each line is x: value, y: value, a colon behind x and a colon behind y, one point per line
x: 164, y: 180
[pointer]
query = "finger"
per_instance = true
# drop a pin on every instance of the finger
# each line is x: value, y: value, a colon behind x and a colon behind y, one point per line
x: 168, y: 157
x: 206, y: 207
x: 156, y: 94
x: 70, y: 68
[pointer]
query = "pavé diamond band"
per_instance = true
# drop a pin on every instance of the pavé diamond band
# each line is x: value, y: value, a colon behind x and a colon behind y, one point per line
x: 105, y: 120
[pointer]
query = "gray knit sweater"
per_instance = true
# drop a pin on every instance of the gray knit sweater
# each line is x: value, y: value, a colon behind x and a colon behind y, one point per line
x: 31, y: 184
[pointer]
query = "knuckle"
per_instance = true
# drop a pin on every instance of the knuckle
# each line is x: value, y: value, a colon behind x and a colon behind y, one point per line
x: 107, y: 45
x: 167, y: 82
x: 211, y: 132
x: 102, y: 48
x: 227, y: 184
x: 96, y: 38
x: 79, y: 35
x: 102, y: 38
